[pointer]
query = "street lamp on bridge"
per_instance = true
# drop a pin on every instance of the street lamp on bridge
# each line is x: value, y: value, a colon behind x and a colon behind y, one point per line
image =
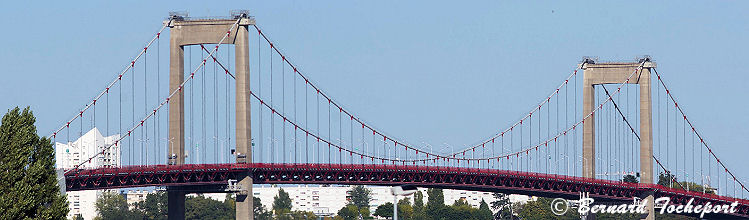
x: 404, y: 190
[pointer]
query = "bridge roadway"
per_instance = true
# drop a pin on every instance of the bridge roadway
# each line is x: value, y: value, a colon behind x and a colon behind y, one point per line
x: 215, y: 177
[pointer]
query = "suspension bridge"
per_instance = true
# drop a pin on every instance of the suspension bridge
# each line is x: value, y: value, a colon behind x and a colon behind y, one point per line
x: 212, y: 126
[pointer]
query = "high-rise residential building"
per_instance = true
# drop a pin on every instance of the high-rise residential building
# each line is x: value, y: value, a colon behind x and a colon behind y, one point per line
x: 70, y: 154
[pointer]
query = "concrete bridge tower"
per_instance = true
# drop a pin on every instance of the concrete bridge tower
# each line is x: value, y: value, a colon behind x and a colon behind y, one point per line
x: 186, y: 32
x: 616, y: 73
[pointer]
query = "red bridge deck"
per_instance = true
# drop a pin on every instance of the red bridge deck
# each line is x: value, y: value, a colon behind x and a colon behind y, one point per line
x: 489, y: 180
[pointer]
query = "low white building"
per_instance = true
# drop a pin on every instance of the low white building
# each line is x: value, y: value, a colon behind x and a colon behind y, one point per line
x: 135, y: 196
x: 68, y: 155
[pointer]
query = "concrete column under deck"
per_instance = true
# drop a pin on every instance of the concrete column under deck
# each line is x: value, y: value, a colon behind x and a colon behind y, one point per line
x: 176, y: 205
x: 244, y: 209
x: 616, y: 73
x: 185, y: 32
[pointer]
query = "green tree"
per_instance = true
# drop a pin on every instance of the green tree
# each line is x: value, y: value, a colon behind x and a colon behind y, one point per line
x: 541, y: 209
x: 283, y: 214
x: 154, y: 207
x: 665, y: 179
x: 694, y: 187
x: 28, y: 183
x: 78, y: 217
x: 360, y: 196
x: 461, y: 202
x: 459, y: 210
x: 419, y: 209
x: 503, y: 206
x: 630, y: 179
x: 231, y: 201
x: 436, y: 197
x: 259, y: 210
x: 111, y: 205
x: 435, y: 203
x: 385, y: 210
x: 302, y: 215
x: 351, y: 212
x: 281, y: 201
x: 199, y: 207
x: 405, y: 210
x: 620, y: 216
x: 484, y: 211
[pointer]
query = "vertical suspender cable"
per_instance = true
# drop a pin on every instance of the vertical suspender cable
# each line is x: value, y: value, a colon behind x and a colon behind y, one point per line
x: 660, y: 146
x: 226, y: 109
x: 203, y: 139
x: 340, y: 136
x: 574, y: 131
x: 107, y: 132
x: 93, y: 120
x: 215, y: 114
x: 330, y: 136
x: 295, y: 117
x: 119, y: 115
x: 260, y: 93
x: 520, y: 161
x: 566, y: 123
x: 684, y: 149
x: 317, y: 113
x: 351, y: 132
x: 306, y: 121
x: 192, y: 112
x: 283, y: 110
x: 132, y: 113
x: 272, y: 121
x: 158, y: 97
x: 607, y: 126
x: 668, y: 155
x: 144, y: 130
x: 676, y: 145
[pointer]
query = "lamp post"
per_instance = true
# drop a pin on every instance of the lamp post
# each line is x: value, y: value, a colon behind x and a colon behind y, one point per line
x: 621, y: 176
x: 431, y: 151
x: 442, y: 150
x: 452, y: 151
x: 404, y: 190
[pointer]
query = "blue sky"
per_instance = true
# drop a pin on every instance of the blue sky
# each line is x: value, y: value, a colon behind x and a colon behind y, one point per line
x: 435, y: 71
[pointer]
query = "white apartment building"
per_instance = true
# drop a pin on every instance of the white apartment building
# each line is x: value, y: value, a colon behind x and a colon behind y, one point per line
x: 139, y: 195
x: 135, y: 196
x: 70, y: 154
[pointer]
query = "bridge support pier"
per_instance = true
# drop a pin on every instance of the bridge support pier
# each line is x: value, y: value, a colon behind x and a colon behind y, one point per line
x: 176, y: 204
x: 244, y: 209
x: 186, y: 32
x: 616, y: 73
x: 244, y: 206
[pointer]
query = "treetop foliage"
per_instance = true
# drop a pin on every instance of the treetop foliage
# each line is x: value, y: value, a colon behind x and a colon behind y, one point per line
x: 28, y: 182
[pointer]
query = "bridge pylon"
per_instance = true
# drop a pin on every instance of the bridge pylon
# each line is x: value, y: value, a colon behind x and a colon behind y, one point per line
x: 617, y: 73
x: 185, y: 32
